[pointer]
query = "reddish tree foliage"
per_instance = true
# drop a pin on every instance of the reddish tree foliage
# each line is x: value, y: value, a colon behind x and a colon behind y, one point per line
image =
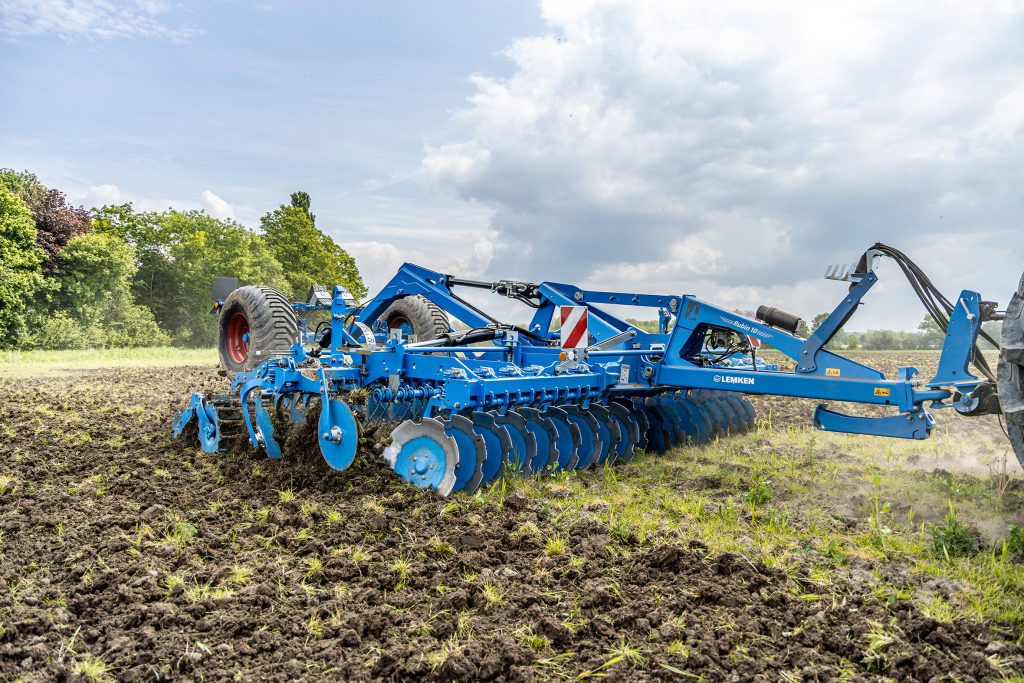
x: 56, y: 221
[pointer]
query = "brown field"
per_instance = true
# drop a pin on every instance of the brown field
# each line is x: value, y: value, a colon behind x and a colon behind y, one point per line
x: 785, y: 554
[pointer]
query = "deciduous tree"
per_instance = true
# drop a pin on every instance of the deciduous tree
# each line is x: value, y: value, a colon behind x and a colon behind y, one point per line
x: 21, y: 275
x: 307, y: 255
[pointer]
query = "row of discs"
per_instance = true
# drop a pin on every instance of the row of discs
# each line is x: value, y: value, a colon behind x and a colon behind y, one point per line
x: 464, y: 452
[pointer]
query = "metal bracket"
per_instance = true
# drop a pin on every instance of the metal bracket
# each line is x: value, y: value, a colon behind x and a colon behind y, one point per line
x: 917, y: 424
x: 608, y: 343
x: 958, y: 347
x: 847, y: 273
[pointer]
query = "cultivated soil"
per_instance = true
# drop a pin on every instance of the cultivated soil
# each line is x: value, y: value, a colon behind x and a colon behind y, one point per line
x: 127, y: 556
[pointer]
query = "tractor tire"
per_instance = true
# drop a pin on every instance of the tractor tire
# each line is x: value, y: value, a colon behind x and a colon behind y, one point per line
x: 1011, y: 371
x: 255, y: 324
x: 416, y: 315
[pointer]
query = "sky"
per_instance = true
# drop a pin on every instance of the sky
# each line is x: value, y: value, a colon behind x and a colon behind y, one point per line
x: 731, y: 150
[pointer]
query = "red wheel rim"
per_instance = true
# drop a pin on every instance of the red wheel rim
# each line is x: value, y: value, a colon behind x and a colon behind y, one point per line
x: 399, y: 322
x: 238, y: 338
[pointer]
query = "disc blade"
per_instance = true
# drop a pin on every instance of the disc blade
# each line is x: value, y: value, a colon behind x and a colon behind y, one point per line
x: 732, y: 419
x: 642, y: 423
x: 655, y: 431
x: 590, y: 437
x: 339, y: 434
x: 746, y: 409
x: 421, y: 453
x: 547, y: 438
x: 497, y: 445
x: 524, y: 443
x: 614, y: 434
x: 629, y: 430
x: 569, y: 439
x: 472, y: 452
x: 1010, y: 371
x: 682, y: 428
x: 696, y: 418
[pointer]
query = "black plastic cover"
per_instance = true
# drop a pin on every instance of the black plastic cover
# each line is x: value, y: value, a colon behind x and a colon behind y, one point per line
x: 222, y: 286
x: 776, y: 317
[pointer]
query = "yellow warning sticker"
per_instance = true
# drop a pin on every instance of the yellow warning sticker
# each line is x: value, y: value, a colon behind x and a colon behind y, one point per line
x: 831, y: 372
x: 882, y: 391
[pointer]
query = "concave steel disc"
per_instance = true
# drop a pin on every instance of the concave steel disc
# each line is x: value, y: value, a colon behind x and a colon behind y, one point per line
x: 421, y: 453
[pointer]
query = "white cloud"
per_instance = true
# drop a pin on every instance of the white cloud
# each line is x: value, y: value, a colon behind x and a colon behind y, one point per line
x: 96, y: 19
x: 100, y: 195
x: 216, y: 206
x: 742, y: 146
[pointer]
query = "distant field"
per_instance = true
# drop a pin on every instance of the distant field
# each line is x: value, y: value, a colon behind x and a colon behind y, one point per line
x: 35, y: 362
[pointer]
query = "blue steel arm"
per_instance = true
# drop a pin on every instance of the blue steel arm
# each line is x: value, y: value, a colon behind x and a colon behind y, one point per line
x: 412, y: 279
x: 959, y: 345
x: 809, y: 352
x: 697, y: 315
x: 601, y: 323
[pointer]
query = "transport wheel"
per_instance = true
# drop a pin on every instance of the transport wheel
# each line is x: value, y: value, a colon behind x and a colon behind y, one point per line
x: 416, y: 316
x: 255, y: 323
x: 1011, y: 371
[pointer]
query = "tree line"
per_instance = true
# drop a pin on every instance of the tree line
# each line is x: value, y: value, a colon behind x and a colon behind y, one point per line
x: 928, y: 335
x: 115, y: 277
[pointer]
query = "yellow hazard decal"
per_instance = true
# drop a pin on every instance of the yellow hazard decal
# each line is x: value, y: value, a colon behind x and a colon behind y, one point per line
x: 882, y: 391
x: 831, y: 372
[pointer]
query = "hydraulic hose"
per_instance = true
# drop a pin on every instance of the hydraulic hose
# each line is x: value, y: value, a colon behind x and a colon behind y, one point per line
x: 938, y: 306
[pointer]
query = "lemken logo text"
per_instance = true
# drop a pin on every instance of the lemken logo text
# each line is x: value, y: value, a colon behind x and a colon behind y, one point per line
x: 732, y: 379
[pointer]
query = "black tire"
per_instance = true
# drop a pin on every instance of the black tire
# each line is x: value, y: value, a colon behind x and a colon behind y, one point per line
x: 1011, y: 371
x: 427, y: 319
x: 268, y: 319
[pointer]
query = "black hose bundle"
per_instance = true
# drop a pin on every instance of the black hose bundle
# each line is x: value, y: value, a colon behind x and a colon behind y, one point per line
x: 937, y: 305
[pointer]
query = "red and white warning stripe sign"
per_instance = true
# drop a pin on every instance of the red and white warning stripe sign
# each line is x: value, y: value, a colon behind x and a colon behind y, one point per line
x: 573, y: 332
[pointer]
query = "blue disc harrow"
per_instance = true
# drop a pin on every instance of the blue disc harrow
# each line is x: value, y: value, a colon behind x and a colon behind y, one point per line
x: 469, y: 399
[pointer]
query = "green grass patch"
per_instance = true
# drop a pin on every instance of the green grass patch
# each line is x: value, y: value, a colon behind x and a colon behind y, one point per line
x: 809, y: 503
x: 36, y: 362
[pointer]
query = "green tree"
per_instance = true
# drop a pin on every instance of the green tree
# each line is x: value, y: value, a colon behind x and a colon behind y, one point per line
x: 154, y: 283
x: 879, y: 340
x: 178, y: 254
x: 21, y: 275
x: 932, y: 335
x: 203, y: 248
x: 817, y: 320
x: 307, y: 255
x: 56, y: 221
x: 94, y: 304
